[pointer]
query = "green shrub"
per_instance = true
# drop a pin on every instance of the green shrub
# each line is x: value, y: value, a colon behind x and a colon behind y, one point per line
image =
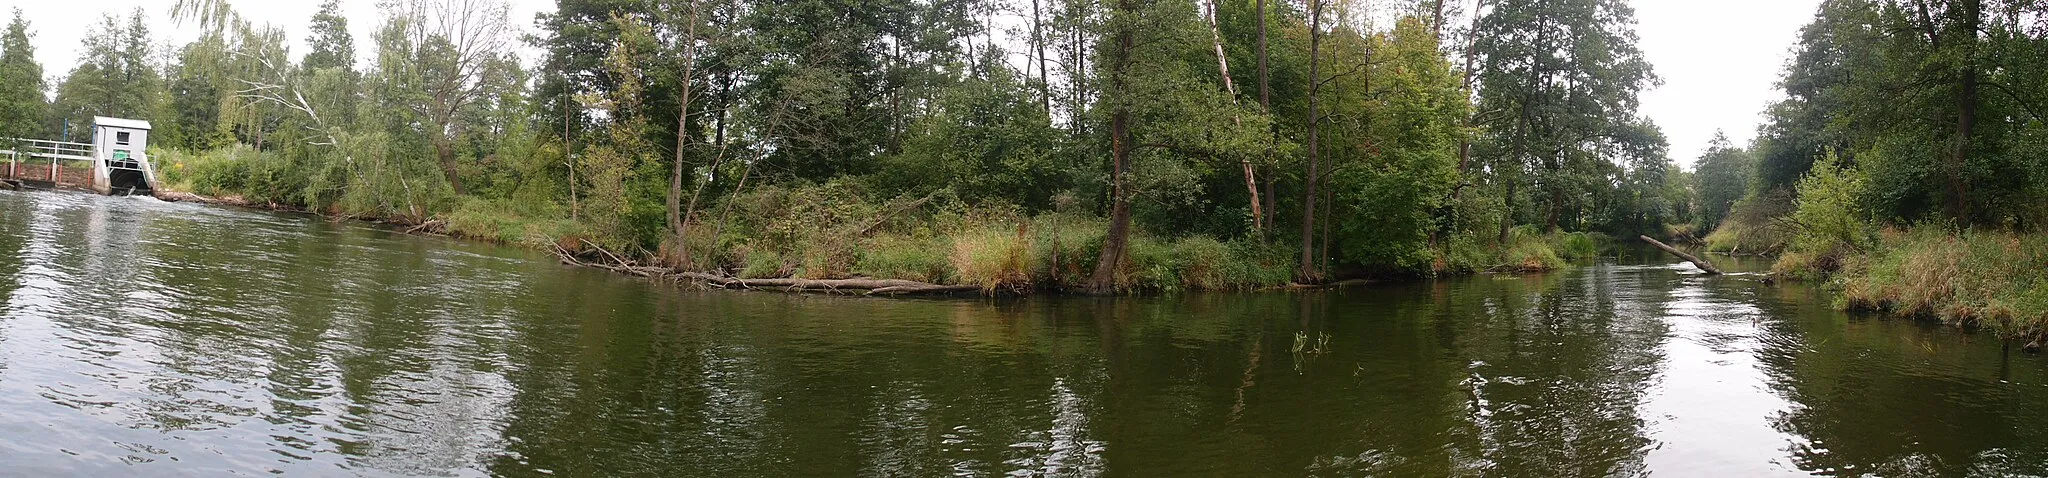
x: 1831, y: 223
x: 1254, y: 265
x: 1576, y: 246
x: 1203, y: 263
x: 763, y: 264
x: 903, y: 257
x: 1149, y: 265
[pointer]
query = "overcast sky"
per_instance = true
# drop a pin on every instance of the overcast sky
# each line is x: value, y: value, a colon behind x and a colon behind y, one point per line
x: 1719, y: 59
x: 60, y: 25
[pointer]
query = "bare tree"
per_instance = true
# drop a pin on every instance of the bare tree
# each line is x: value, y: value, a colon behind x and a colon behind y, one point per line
x: 1251, y: 181
x: 453, y: 44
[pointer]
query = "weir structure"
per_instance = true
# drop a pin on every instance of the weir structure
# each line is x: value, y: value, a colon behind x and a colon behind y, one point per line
x: 114, y: 163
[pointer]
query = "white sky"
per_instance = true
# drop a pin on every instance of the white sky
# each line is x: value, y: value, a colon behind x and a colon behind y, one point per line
x: 60, y: 26
x: 1720, y: 59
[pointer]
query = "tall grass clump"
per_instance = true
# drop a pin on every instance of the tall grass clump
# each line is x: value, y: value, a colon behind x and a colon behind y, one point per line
x: 995, y: 257
x: 1065, y: 247
x: 1203, y: 263
x: 1576, y: 246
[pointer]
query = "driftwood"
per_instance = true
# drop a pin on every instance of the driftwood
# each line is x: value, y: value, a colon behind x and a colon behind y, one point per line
x: 856, y: 286
x: 1703, y: 265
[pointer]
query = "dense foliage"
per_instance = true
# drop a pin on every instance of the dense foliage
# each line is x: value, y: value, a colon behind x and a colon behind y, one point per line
x: 831, y: 139
x: 1907, y: 164
x: 1936, y: 104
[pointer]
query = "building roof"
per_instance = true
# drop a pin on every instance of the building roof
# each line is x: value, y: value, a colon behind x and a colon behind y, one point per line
x: 120, y: 122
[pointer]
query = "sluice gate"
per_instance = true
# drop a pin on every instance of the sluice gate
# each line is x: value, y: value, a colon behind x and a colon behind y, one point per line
x: 116, y: 162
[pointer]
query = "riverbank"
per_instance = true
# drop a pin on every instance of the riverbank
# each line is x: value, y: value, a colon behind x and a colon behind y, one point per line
x: 796, y: 241
x: 1996, y: 281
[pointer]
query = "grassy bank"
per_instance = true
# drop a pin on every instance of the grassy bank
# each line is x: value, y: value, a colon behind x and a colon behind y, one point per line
x: 1994, y: 280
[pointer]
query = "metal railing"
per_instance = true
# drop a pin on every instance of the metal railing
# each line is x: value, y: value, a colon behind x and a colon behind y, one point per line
x: 58, y: 152
x: 37, y: 148
x: 55, y: 152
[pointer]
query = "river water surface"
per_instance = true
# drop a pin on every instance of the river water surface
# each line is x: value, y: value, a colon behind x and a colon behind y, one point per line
x: 143, y: 338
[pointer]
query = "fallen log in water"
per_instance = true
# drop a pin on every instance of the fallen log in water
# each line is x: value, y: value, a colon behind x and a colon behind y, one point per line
x: 845, y: 286
x: 1703, y: 265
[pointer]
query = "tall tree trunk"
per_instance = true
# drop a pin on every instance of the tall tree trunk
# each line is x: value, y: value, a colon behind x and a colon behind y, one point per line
x: 676, y: 220
x: 1038, y: 46
x: 568, y: 155
x: 1272, y: 199
x: 444, y: 152
x: 1436, y: 23
x: 1556, y: 206
x: 1251, y: 181
x: 1507, y: 218
x: 1471, y: 52
x: 1329, y: 205
x: 674, y: 177
x: 1118, y: 237
x: 1273, y: 139
x: 1518, y: 156
x: 1307, y: 272
x: 724, y: 104
x: 1265, y: 85
x: 1966, y: 111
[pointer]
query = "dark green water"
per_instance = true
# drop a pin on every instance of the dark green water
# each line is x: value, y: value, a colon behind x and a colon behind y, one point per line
x: 141, y: 338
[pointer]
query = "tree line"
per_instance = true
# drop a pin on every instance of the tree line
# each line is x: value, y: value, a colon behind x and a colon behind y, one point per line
x: 1357, y: 136
x: 1930, y: 110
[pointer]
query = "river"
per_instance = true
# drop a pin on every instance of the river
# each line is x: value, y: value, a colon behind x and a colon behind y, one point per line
x: 145, y: 338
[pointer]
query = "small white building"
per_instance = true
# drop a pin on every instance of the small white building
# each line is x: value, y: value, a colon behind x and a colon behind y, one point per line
x: 121, y: 163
